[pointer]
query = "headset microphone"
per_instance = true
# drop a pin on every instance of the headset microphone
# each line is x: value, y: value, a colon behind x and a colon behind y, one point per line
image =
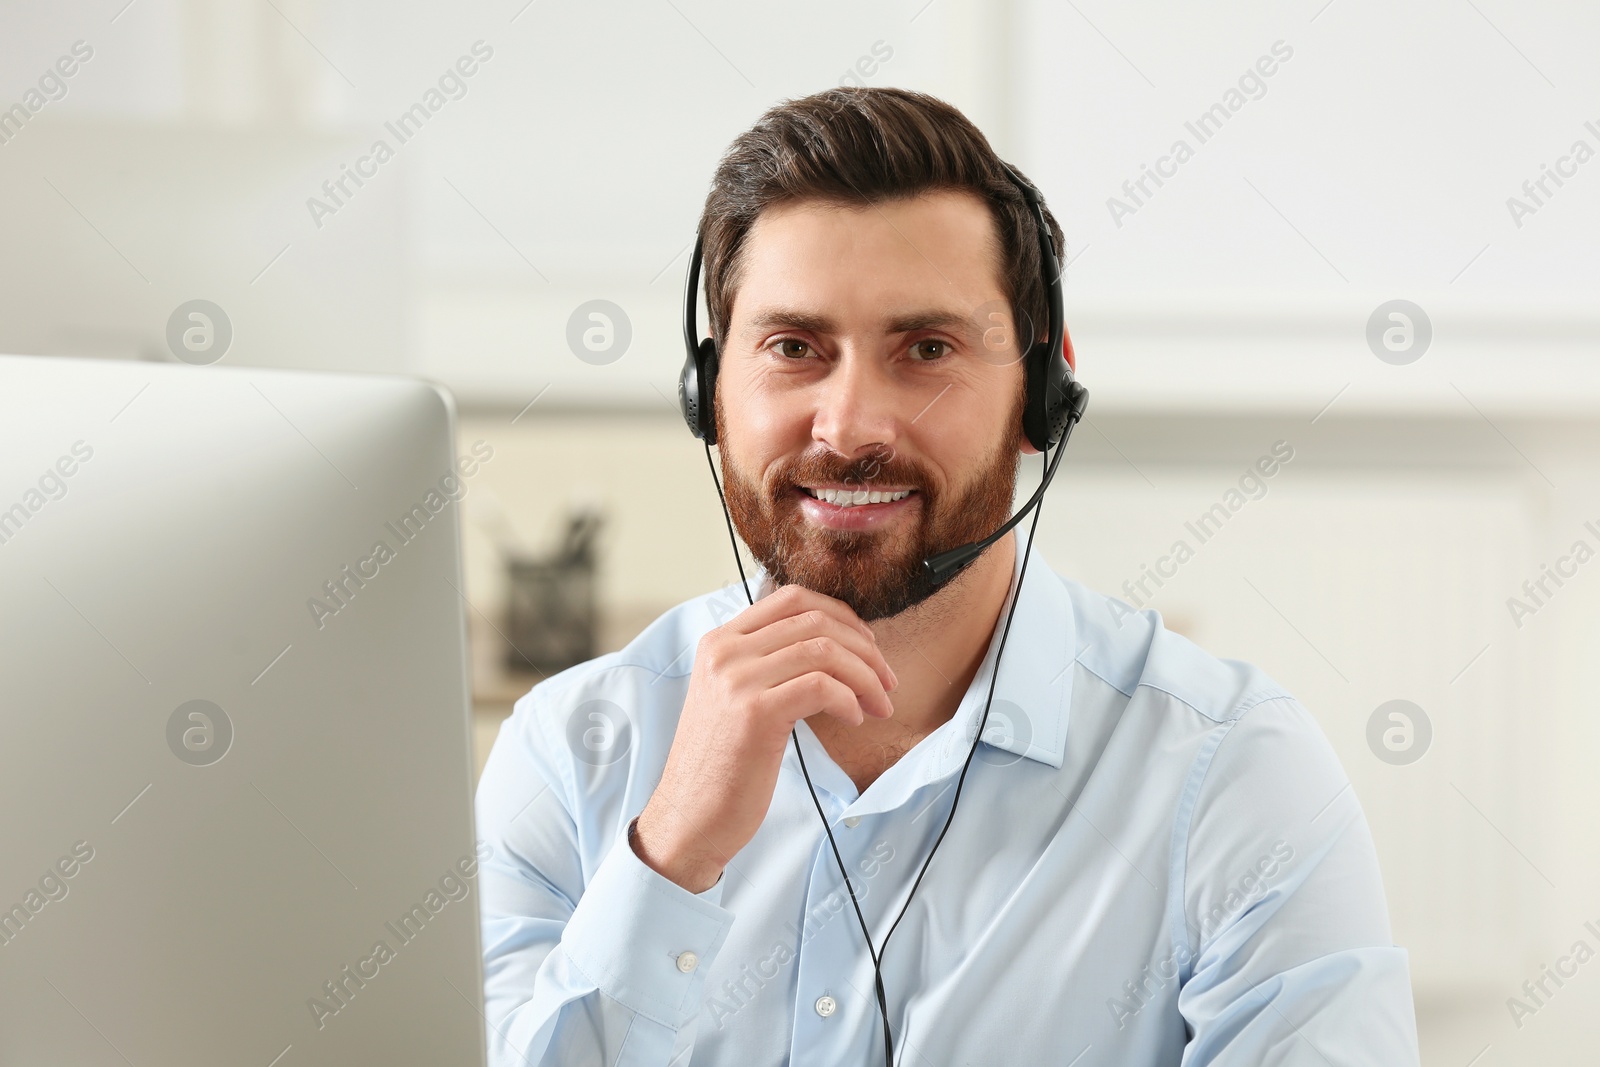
x: 942, y: 566
x: 1053, y: 403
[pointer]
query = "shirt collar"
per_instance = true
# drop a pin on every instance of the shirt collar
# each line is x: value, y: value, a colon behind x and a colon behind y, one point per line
x: 1028, y: 718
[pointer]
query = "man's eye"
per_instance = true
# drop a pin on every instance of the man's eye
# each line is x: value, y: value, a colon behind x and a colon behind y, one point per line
x: 793, y: 348
x: 930, y: 350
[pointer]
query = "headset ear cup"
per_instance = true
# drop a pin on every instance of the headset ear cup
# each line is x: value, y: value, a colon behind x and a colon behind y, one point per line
x: 1060, y: 392
x: 689, y: 393
x: 708, y: 361
x: 1035, y: 409
x: 1051, y: 396
x: 697, y: 384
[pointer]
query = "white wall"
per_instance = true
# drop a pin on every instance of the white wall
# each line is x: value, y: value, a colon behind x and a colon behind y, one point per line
x: 1376, y: 163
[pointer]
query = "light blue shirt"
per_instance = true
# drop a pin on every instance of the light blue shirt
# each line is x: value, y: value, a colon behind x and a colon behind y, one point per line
x: 1156, y: 859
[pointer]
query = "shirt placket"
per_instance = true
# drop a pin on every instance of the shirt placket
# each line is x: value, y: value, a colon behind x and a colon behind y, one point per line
x: 832, y: 1016
x: 836, y: 1015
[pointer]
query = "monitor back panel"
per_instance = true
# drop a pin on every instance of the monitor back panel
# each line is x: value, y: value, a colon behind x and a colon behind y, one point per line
x: 235, y: 760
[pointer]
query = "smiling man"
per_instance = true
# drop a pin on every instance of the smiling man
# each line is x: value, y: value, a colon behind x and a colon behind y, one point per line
x: 1157, y: 858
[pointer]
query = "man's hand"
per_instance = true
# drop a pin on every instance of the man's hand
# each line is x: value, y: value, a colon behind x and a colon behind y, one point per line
x: 788, y: 656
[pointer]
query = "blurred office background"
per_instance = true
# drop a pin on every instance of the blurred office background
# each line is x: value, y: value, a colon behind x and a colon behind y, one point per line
x: 1341, y: 155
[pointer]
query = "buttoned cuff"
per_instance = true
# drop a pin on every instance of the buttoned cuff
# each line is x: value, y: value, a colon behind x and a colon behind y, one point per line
x: 642, y: 939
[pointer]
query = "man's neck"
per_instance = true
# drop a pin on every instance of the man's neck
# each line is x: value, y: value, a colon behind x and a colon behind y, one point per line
x: 935, y: 650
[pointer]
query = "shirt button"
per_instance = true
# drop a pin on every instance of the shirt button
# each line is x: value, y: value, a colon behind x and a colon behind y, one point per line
x: 687, y: 961
x: 853, y: 821
x: 826, y: 1006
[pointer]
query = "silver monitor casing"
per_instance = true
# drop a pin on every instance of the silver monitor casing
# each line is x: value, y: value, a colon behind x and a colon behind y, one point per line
x: 178, y: 527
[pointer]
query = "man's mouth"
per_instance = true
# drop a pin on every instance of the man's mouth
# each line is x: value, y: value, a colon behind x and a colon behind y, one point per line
x: 846, y: 497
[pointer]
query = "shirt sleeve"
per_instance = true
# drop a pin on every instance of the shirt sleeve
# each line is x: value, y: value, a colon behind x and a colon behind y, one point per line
x: 603, y: 970
x: 1288, y: 948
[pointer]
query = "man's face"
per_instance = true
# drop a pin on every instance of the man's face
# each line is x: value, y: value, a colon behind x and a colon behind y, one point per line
x: 869, y: 350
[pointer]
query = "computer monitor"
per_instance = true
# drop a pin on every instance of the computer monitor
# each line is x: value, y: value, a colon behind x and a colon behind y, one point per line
x: 235, y: 761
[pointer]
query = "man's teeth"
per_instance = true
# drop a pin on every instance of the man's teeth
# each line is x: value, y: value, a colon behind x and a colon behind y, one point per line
x: 851, y: 497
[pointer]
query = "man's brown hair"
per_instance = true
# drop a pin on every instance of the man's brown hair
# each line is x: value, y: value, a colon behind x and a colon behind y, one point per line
x: 856, y: 146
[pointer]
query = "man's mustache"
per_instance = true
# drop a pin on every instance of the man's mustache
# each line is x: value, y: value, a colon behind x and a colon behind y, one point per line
x: 880, y: 468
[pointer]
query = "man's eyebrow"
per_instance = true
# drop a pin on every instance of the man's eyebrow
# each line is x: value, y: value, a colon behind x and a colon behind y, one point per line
x: 795, y: 319
x: 931, y: 319
x: 779, y: 318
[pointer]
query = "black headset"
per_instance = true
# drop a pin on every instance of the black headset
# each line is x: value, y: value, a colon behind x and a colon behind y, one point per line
x: 1054, y: 397
x: 1052, y: 407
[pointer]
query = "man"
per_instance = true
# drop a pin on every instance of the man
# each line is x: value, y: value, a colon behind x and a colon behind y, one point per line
x: 1157, y: 858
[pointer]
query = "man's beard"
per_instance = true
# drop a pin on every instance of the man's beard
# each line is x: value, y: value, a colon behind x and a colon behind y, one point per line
x: 877, y: 573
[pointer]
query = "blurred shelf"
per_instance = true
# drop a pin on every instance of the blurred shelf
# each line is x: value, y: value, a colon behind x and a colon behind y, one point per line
x: 495, y: 685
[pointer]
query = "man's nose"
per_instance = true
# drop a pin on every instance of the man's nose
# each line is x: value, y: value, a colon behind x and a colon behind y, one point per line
x: 858, y: 405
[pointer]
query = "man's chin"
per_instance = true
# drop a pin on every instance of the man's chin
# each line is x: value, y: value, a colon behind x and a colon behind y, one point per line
x: 873, y: 586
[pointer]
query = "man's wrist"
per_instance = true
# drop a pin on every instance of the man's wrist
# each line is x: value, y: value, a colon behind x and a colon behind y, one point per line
x: 691, y: 873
